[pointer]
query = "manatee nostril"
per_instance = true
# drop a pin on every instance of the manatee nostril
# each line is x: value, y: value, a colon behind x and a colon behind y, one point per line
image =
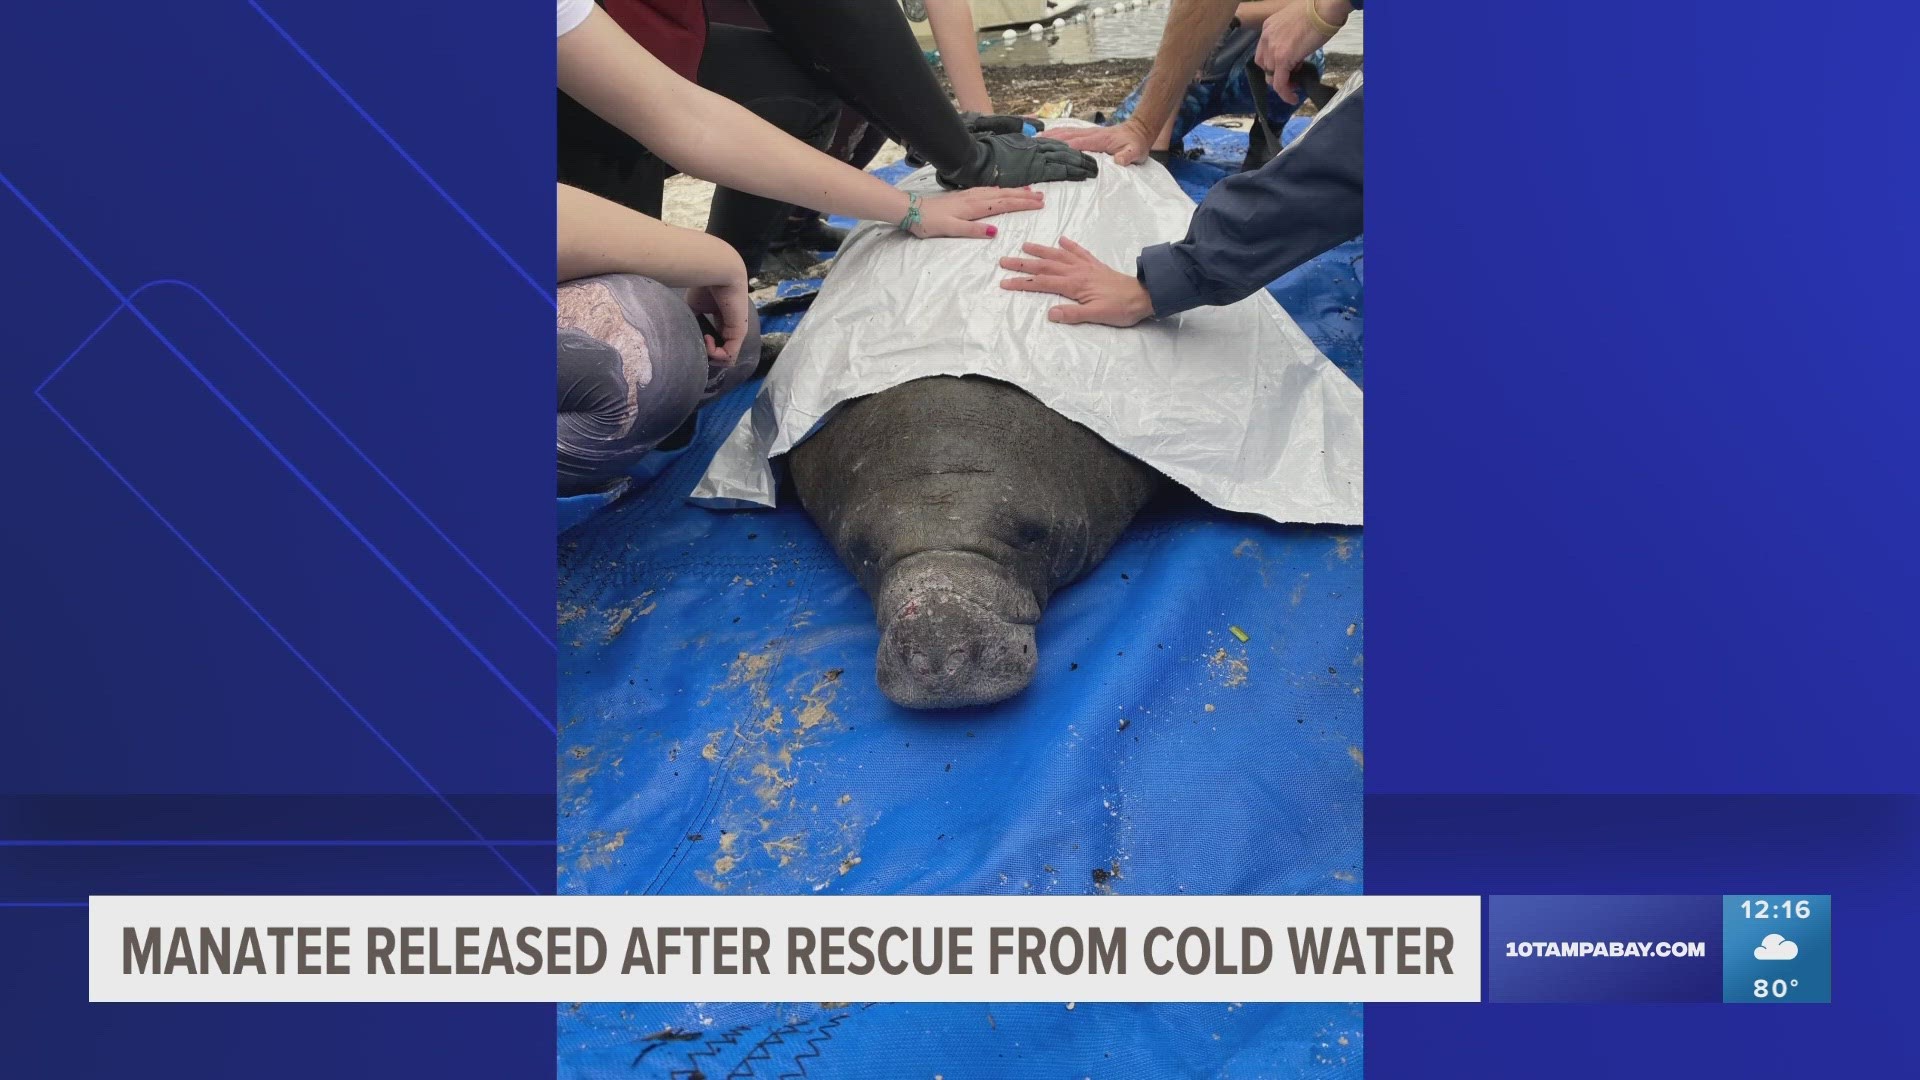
x: 953, y: 637
x: 917, y: 662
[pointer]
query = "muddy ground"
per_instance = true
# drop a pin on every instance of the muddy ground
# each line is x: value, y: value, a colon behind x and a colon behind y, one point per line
x: 1093, y: 87
x: 1099, y: 85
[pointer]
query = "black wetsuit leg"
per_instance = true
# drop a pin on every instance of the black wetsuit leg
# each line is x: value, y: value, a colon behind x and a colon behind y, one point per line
x: 749, y: 67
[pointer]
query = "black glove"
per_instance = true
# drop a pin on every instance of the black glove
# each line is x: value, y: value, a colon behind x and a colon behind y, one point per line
x: 991, y: 124
x: 1018, y: 160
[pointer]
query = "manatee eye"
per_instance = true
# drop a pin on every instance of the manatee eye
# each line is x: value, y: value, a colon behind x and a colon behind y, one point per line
x: 1030, y: 532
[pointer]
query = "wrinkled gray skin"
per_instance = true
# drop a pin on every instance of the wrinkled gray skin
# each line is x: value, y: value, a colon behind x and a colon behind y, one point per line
x: 961, y: 504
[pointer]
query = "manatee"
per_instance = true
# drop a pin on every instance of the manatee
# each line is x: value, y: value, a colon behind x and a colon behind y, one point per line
x: 961, y: 504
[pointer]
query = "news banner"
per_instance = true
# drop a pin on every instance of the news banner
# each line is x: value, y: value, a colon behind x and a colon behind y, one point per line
x: 1755, y: 949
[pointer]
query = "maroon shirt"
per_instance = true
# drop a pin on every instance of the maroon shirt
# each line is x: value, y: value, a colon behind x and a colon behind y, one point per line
x: 674, y: 31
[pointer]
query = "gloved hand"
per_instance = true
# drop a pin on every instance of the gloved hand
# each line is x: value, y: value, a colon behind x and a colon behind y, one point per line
x: 992, y: 124
x: 1016, y: 161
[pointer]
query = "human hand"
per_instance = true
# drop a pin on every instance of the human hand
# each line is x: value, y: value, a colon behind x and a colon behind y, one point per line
x: 1290, y: 35
x: 958, y: 213
x: 725, y: 305
x: 995, y: 124
x: 1127, y: 141
x: 1000, y: 160
x: 1100, y: 294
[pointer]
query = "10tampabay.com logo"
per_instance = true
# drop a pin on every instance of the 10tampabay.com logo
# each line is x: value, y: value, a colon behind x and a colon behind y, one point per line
x: 1735, y: 949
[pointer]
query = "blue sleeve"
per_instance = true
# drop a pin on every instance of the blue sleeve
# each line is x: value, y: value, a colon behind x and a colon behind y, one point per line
x: 1255, y: 226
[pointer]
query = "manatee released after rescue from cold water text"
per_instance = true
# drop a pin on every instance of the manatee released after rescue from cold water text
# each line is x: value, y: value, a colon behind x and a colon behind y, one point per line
x: 961, y: 504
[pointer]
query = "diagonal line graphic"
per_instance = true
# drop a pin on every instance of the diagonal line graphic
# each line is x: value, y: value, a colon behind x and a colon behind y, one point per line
x: 317, y: 411
x: 127, y: 303
x: 355, y: 447
x: 85, y: 341
x: 545, y: 291
x: 279, y: 636
x: 294, y: 469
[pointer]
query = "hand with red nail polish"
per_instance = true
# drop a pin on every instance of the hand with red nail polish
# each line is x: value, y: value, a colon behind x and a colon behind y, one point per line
x: 958, y: 213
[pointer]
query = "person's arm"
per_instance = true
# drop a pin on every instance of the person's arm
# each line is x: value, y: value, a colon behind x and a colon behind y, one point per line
x: 1255, y: 13
x: 705, y: 135
x: 1255, y: 226
x: 1252, y: 228
x: 1193, y: 27
x: 952, y: 23
x: 597, y: 236
x: 1290, y: 36
x: 866, y: 51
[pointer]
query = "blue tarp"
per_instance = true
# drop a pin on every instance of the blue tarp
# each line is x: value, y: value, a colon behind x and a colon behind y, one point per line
x: 721, y: 731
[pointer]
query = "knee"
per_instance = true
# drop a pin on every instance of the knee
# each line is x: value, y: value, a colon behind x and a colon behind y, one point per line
x: 631, y: 368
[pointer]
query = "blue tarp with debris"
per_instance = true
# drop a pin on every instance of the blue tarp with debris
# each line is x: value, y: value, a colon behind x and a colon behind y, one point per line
x: 721, y: 732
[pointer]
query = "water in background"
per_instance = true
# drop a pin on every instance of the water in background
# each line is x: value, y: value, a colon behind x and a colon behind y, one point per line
x: 1117, y: 35
x: 1121, y: 35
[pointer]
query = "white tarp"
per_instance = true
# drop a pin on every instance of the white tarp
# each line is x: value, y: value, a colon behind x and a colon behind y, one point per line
x: 1232, y: 402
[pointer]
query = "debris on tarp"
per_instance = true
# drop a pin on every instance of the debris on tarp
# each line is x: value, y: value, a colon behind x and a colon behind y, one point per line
x: 1153, y: 766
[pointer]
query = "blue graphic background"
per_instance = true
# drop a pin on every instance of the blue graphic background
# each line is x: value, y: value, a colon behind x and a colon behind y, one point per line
x: 1640, y: 459
x: 274, y: 412
x: 1649, y: 920
x: 1640, y: 492
x: 1806, y: 975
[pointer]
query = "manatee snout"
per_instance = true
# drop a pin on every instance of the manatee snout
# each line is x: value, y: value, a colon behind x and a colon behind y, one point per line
x: 963, y: 505
x: 956, y: 629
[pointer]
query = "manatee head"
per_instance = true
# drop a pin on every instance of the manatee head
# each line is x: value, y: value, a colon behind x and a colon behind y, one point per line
x: 956, y: 628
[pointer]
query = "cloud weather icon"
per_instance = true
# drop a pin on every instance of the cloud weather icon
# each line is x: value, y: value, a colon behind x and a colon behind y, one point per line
x: 1775, y: 947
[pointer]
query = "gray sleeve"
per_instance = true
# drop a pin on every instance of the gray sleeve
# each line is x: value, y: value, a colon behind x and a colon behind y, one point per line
x: 1255, y: 226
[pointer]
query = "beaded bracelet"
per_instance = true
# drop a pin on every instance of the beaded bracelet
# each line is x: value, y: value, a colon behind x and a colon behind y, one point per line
x: 913, y: 212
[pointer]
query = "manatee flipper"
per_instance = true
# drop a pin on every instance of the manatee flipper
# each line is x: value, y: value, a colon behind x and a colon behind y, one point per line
x: 961, y: 504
